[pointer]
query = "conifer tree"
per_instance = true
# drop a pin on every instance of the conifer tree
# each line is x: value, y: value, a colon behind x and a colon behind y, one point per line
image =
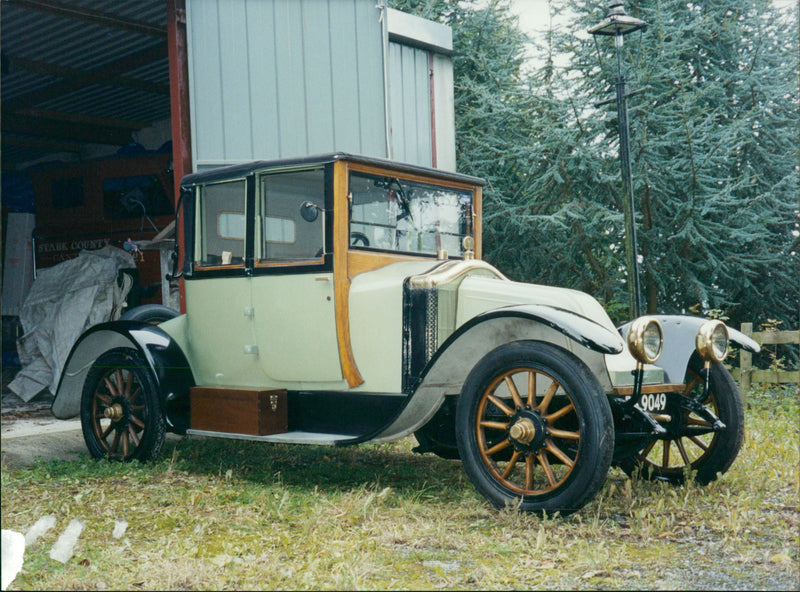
x: 714, y: 149
x: 714, y: 145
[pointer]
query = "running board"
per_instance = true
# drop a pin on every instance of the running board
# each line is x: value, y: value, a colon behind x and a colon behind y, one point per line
x: 285, y: 438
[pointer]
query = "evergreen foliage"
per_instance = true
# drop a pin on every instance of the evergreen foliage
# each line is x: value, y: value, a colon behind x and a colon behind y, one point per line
x: 713, y: 142
x: 714, y: 145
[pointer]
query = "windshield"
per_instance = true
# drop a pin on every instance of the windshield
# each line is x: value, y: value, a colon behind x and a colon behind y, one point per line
x: 392, y: 214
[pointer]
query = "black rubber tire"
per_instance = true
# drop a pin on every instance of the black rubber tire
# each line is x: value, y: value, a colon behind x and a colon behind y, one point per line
x: 149, y: 313
x: 725, y: 401
x: 568, y: 486
x: 121, y: 382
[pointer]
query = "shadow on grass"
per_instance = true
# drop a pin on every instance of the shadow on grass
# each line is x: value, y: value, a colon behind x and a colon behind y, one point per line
x: 304, y: 466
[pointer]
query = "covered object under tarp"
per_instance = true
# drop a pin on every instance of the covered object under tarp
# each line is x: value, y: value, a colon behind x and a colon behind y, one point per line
x: 63, y: 302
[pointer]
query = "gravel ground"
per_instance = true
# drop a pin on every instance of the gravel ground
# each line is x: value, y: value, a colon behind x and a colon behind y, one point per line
x: 30, y: 431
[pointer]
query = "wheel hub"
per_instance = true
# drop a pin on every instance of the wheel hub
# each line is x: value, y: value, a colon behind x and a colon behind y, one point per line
x: 523, y: 431
x: 528, y: 431
x: 114, y: 412
x: 119, y: 412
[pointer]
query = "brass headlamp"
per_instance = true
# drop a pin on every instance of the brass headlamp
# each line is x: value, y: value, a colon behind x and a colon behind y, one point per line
x: 712, y: 341
x: 645, y: 339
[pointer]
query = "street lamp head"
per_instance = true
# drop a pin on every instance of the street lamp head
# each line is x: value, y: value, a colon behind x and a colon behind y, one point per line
x: 617, y: 22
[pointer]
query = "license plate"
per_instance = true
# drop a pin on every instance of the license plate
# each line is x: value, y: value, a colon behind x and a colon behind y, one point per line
x: 653, y: 403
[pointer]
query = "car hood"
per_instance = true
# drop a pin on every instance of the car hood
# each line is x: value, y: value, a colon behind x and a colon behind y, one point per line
x: 476, y: 287
x: 478, y: 294
x: 464, y: 290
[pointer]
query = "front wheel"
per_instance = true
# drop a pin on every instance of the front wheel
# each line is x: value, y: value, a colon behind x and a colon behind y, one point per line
x: 693, y: 448
x: 534, y: 429
x: 121, y: 416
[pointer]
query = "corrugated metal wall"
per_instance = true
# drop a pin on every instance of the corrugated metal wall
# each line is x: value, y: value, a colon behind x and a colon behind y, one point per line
x: 284, y: 78
x: 410, y: 104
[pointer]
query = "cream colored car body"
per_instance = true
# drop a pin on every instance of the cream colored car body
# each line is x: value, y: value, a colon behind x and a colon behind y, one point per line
x: 256, y: 340
x: 338, y: 322
x: 299, y: 321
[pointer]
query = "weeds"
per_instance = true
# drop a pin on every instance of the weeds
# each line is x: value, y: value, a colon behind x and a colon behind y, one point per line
x: 776, y: 362
x: 215, y: 514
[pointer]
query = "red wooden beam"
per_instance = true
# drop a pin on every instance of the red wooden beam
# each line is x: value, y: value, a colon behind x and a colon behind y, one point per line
x: 179, y: 104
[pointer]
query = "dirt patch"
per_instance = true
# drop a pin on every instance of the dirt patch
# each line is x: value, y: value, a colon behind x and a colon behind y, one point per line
x: 29, y: 430
x: 25, y: 440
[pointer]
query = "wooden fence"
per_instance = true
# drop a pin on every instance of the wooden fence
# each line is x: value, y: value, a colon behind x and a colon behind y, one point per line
x: 747, y: 375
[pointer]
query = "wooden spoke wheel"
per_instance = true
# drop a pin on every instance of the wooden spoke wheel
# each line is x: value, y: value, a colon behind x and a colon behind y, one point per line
x: 528, y: 442
x: 120, y: 412
x: 693, y: 447
x: 534, y: 428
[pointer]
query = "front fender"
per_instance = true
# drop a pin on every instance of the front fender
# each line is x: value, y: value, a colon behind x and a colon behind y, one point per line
x: 679, y: 343
x: 447, y: 370
x: 580, y: 329
x: 165, y: 359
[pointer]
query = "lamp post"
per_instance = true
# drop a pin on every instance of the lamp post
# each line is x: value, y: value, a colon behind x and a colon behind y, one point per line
x: 617, y: 24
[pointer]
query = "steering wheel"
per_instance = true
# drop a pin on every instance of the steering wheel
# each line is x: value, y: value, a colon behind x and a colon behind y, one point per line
x: 359, y: 237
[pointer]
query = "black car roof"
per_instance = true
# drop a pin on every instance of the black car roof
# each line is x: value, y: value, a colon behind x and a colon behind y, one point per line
x: 239, y: 171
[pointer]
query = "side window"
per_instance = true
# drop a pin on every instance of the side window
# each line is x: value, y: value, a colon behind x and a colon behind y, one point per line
x: 221, y: 224
x: 290, y: 223
x: 395, y: 214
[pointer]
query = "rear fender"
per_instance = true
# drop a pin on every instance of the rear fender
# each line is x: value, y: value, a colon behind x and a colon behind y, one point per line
x: 447, y: 370
x: 165, y: 359
x: 679, y: 343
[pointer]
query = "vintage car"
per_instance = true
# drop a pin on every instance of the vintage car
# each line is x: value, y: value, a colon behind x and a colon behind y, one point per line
x: 341, y: 299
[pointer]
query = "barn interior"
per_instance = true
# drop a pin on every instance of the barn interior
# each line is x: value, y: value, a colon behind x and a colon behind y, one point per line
x: 86, y: 139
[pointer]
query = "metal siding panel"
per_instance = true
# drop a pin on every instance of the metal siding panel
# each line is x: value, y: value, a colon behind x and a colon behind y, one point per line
x: 408, y: 29
x: 409, y: 92
x: 283, y: 78
x: 264, y: 113
x: 445, y: 113
x: 397, y: 119
x: 290, y: 82
x: 206, y: 80
x: 344, y: 80
x: 422, y: 108
x: 410, y: 104
x: 318, y: 76
x: 235, y: 98
x: 369, y: 59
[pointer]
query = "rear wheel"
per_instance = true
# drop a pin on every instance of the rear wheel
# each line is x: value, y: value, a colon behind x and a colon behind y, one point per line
x: 120, y: 413
x: 534, y: 429
x: 694, y: 448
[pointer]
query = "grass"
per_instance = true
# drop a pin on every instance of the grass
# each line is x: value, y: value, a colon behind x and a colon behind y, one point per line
x: 216, y: 514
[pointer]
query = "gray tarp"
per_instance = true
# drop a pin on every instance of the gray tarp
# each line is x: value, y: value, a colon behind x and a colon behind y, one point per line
x: 65, y: 300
